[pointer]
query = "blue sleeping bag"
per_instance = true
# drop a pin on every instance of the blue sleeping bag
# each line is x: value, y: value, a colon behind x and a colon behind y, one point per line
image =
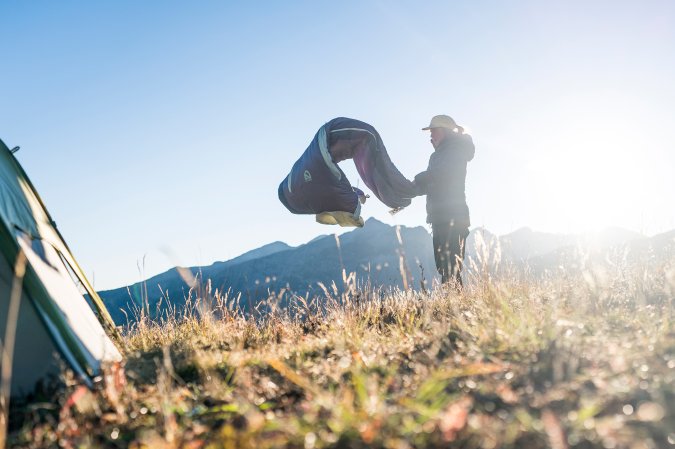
x: 317, y: 185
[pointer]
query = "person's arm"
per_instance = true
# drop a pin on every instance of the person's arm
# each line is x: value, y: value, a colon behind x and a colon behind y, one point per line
x: 437, y: 171
x: 422, y: 182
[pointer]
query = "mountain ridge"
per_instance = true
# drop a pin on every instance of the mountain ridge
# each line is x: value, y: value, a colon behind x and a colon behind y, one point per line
x: 375, y: 254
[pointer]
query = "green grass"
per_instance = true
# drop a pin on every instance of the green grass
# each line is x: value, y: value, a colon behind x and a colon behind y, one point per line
x: 561, y: 361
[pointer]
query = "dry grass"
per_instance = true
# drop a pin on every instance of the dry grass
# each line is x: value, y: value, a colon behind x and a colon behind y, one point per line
x: 562, y: 361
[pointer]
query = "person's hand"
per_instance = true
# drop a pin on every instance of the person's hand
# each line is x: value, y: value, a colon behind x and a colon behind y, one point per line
x: 421, y: 182
x: 361, y: 195
x: 419, y: 179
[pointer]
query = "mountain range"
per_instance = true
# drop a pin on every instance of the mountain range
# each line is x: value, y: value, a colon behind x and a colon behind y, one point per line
x: 377, y: 255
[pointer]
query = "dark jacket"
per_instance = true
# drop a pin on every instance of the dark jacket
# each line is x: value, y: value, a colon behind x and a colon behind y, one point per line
x: 444, y: 180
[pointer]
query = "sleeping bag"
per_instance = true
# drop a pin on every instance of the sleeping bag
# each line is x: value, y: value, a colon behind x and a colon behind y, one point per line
x: 316, y: 184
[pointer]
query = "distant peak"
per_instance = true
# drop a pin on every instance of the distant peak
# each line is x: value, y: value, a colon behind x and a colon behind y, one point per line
x: 277, y: 244
x: 318, y: 237
x: 375, y: 221
x: 617, y: 230
x: 522, y: 231
x: 262, y: 251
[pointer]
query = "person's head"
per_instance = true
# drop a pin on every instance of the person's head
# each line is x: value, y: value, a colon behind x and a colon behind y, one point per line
x: 440, y: 127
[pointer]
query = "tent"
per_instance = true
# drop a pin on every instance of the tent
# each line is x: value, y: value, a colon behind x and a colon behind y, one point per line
x: 57, y: 318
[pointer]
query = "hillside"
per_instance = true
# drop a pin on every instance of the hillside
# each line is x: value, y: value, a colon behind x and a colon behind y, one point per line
x: 372, y: 254
x: 561, y: 361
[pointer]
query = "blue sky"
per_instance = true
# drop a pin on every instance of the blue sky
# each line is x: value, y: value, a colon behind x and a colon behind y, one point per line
x: 157, y: 132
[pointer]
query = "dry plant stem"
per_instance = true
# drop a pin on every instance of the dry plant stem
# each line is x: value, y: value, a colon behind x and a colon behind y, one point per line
x: 560, y: 360
x: 8, y: 347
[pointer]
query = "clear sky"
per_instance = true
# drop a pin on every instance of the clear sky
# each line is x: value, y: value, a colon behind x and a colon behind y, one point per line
x: 157, y: 132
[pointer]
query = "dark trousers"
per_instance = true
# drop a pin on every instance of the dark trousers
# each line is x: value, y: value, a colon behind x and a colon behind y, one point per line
x: 449, y: 241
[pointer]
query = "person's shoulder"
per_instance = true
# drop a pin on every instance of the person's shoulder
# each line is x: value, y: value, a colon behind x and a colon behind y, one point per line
x: 466, y: 138
x: 467, y: 146
x: 463, y: 139
x: 459, y: 146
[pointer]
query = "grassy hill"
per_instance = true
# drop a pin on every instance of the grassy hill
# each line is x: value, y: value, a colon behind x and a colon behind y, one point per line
x: 561, y: 360
x: 373, y: 254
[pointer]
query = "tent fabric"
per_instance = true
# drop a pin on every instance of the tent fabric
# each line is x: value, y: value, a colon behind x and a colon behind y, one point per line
x: 32, y: 338
x: 72, y: 310
x: 55, y: 320
x: 317, y: 185
x: 14, y: 208
x: 39, y: 224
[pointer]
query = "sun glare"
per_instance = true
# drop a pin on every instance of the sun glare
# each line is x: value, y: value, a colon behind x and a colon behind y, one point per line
x: 590, y: 177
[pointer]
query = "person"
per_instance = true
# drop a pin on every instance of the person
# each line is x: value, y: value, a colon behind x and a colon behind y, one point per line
x: 443, y: 182
x: 317, y: 185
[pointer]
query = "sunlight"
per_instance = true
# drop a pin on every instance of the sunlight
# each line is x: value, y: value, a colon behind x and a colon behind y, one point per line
x: 591, y: 165
x: 590, y: 176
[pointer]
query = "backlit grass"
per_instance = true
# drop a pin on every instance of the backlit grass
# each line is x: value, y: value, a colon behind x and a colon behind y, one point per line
x: 561, y: 360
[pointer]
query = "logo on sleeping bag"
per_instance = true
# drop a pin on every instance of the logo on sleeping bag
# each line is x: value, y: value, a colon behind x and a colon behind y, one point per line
x: 308, y: 176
